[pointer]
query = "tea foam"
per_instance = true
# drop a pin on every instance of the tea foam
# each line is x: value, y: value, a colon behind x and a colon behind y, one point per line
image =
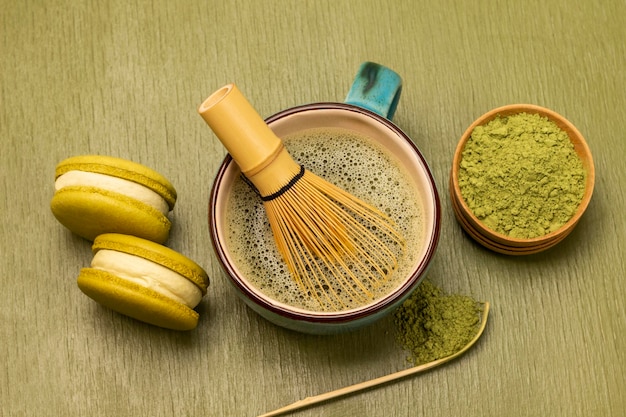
x: 350, y: 161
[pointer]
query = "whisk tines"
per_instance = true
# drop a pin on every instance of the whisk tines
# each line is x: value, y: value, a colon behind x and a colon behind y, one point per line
x: 338, y: 248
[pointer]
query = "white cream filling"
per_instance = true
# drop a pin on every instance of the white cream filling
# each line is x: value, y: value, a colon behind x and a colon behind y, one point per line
x: 148, y: 274
x: 118, y: 185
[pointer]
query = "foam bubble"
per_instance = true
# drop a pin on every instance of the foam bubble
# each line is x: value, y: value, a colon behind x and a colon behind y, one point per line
x: 351, y: 162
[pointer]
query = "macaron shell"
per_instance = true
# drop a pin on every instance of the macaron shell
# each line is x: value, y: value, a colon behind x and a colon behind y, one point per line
x: 136, y: 301
x: 90, y: 211
x: 154, y: 252
x: 120, y: 168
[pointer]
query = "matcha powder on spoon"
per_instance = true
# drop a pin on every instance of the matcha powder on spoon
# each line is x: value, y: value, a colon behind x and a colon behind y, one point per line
x: 432, y: 325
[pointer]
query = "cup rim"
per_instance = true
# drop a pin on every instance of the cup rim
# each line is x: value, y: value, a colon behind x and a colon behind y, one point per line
x: 381, y: 304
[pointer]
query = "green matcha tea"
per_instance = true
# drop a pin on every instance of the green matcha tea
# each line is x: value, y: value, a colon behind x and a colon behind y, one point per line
x: 352, y: 162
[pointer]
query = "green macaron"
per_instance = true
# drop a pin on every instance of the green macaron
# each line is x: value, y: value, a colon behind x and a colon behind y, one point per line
x: 144, y: 280
x: 97, y: 194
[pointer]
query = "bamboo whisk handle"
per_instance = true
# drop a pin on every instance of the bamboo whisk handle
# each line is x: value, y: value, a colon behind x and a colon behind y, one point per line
x: 241, y: 130
x: 259, y: 153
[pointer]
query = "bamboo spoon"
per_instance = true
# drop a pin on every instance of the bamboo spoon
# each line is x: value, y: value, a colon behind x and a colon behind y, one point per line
x: 308, y: 401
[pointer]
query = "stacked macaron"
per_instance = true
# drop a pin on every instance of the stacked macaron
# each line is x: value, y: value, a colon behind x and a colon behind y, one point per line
x: 122, y: 206
x: 101, y: 194
x: 144, y: 280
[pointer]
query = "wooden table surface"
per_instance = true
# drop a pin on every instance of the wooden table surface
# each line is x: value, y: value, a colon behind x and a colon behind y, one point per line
x: 124, y: 78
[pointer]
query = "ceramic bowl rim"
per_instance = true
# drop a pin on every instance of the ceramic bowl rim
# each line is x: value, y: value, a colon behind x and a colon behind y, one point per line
x: 349, y: 315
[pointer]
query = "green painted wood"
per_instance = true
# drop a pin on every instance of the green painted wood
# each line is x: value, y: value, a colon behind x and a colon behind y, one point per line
x: 124, y: 78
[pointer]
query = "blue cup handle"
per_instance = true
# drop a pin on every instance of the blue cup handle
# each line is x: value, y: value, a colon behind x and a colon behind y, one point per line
x: 376, y: 88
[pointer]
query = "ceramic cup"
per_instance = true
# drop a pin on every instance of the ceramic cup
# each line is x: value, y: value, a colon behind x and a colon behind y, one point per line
x: 368, y: 109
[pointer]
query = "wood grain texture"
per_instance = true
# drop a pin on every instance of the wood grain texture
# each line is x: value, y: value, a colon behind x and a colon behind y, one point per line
x: 124, y: 78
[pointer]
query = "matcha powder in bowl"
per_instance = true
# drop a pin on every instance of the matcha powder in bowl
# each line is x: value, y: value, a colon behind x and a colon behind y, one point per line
x: 522, y: 177
x: 432, y: 324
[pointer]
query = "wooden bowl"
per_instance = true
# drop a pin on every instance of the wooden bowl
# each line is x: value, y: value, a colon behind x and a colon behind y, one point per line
x: 497, y: 241
x: 496, y: 246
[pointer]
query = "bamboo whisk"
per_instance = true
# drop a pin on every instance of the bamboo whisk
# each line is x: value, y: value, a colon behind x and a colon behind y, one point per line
x: 333, y: 243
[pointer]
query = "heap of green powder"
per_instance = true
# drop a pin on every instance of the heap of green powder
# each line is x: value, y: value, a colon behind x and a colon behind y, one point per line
x: 432, y: 325
x: 521, y: 176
